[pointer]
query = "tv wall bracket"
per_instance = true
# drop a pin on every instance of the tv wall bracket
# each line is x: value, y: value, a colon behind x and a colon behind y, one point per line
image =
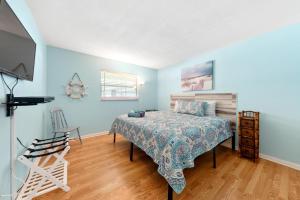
x: 13, y: 102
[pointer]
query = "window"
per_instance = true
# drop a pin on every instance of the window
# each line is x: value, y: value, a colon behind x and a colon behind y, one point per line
x: 118, y: 86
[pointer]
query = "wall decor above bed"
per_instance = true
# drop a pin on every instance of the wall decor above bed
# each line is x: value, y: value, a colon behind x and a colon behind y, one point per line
x: 198, y: 77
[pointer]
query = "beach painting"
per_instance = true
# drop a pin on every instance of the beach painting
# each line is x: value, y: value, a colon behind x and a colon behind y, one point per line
x: 197, y: 77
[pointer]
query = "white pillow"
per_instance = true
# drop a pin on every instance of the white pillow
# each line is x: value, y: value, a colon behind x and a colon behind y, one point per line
x: 210, y: 109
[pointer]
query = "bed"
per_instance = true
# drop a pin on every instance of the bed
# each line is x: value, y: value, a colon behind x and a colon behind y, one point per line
x: 173, y: 140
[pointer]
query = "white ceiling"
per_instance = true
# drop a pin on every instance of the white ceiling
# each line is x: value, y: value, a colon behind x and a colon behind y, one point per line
x: 157, y: 33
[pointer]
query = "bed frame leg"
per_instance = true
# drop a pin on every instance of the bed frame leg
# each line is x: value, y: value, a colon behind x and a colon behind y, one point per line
x: 170, y: 192
x: 131, y: 151
x: 214, y: 158
x: 114, y: 137
x: 233, y: 141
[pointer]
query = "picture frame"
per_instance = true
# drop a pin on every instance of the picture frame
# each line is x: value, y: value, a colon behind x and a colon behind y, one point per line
x: 199, y: 77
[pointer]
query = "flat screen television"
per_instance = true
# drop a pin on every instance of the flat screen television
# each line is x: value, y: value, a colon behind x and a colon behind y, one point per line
x: 17, y: 48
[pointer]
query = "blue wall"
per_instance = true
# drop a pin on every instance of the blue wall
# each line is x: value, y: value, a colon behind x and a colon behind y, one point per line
x: 90, y: 113
x: 30, y: 121
x: 264, y: 72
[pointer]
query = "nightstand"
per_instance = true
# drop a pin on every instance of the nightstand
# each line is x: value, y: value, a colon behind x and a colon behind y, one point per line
x: 249, y: 134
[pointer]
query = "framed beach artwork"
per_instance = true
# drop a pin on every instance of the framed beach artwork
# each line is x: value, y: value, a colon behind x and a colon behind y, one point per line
x: 198, y: 77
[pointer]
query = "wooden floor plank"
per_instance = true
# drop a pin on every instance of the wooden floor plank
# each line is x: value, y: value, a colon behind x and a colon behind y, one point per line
x: 100, y: 169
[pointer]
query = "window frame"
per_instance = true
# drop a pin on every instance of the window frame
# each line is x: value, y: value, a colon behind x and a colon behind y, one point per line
x: 118, y: 98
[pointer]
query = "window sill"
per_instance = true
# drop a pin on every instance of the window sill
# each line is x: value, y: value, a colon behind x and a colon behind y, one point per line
x: 119, y: 98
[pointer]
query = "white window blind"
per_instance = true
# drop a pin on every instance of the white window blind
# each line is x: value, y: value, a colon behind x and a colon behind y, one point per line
x: 118, y: 86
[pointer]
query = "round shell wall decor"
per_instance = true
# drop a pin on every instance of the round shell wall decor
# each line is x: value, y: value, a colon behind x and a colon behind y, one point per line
x: 75, y: 88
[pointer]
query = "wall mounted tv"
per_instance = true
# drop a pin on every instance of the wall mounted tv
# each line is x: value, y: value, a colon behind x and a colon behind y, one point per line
x: 17, y: 48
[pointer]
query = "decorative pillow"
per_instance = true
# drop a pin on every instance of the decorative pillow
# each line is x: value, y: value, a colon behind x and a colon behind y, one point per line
x: 190, y: 107
x: 210, y: 109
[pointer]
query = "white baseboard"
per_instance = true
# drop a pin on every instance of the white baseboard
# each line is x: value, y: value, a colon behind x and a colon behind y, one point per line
x: 228, y: 145
x: 269, y: 158
x: 94, y: 134
x: 280, y: 161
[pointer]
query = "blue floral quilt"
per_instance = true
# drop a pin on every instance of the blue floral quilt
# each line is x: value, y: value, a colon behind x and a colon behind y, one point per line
x: 173, y: 140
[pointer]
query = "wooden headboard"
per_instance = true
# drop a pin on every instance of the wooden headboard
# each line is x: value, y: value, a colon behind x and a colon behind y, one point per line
x: 225, y: 103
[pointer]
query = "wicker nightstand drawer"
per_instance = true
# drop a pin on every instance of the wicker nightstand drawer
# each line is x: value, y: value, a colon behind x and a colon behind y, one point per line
x: 247, y: 133
x: 247, y: 152
x: 247, y: 123
x: 249, y: 142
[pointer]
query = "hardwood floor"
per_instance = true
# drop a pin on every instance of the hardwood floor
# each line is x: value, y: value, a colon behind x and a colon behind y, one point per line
x: 101, y: 170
